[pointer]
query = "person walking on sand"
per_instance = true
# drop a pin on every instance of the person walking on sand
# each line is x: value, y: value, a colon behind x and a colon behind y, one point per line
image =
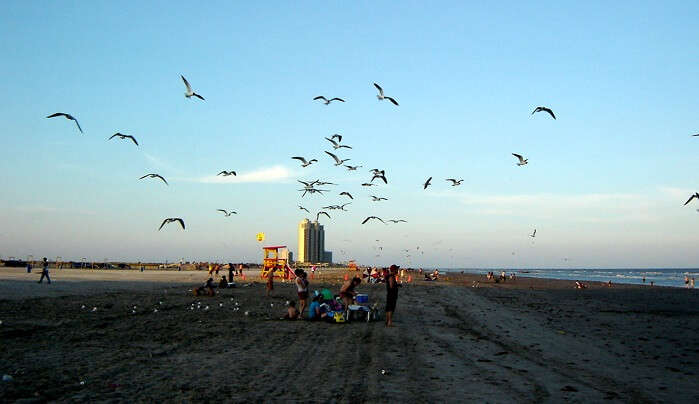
x: 302, y: 289
x: 45, y: 271
x: 391, y: 294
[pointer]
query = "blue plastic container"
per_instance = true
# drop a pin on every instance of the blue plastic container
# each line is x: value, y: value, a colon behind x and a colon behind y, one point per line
x: 362, y: 298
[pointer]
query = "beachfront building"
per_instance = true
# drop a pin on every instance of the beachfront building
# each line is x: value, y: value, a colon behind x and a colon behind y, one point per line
x: 312, y: 242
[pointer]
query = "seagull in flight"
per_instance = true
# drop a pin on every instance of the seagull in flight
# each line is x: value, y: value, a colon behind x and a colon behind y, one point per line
x: 342, y: 207
x: 522, y: 160
x: 322, y: 213
x: 397, y: 220
x: 376, y: 171
x: 337, y: 145
x: 368, y: 184
x: 455, y: 182
x: 170, y: 220
x: 319, y: 182
x: 154, y: 176
x: 427, y: 183
x: 380, y: 95
x: 305, y: 163
x: 189, y: 92
x: 227, y: 173
x: 377, y: 198
x: 67, y: 116
x: 380, y: 176
x: 338, y: 162
x: 352, y: 168
x: 696, y: 195
x: 226, y: 212
x: 328, y: 101
x: 312, y: 191
x: 544, y: 109
x: 302, y: 208
x: 533, y: 234
x: 122, y: 136
x: 373, y: 217
x: 696, y: 134
x: 346, y: 194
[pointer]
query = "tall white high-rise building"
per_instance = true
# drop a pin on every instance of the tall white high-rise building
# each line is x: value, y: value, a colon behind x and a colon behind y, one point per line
x: 311, y: 242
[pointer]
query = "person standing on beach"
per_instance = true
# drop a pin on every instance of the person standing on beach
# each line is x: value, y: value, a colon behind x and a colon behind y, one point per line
x: 391, y: 294
x: 230, y: 272
x: 302, y: 289
x: 45, y: 271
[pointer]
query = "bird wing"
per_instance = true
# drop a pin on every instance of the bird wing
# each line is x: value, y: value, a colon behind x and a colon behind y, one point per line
x: 537, y: 109
x: 144, y: 176
x: 392, y: 100
x: 114, y: 135
x: 320, y: 97
x: 222, y: 210
x: 378, y: 87
x: 345, y: 146
x: 56, y: 114
x: 163, y: 224
x: 198, y: 96
x: 132, y: 138
x: 181, y: 222
x: 186, y: 83
x: 521, y: 160
x: 303, y: 160
x: 76, y: 122
x: 339, y: 137
x: 696, y: 134
x: 451, y: 179
x: 690, y: 199
x: 324, y: 213
x: 331, y: 141
x: 159, y: 176
x: 550, y: 112
x: 337, y: 160
x: 427, y: 183
x: 338, y: 99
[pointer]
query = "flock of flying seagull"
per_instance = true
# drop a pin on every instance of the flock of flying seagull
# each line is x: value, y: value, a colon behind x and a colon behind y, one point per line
x: 336, y: 142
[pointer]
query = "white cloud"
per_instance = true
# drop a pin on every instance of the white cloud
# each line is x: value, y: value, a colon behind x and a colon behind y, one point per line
x: 159, y: 163
x: 269, y: 174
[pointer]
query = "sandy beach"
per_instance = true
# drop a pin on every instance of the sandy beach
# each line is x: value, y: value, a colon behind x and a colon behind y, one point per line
x: 531, y: 340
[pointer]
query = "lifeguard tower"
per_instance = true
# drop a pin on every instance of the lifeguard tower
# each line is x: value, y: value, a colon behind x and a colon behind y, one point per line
x: 275, y: 260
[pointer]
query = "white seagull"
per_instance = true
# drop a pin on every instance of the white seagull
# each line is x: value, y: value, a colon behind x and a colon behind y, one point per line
x: 67, y: 116
x: 696, y: 195
x: 533, y: 234
x: 225, y: 212
x: 373, y: 217
x: 352, y: 168
x: 380, y: 95
x: 122, y: 136
x: 522, y: 160
x: 544, y: 109
x: 154, y: 176
x: 377, y: 198
x: 170, y: 220
x: 322, y: 213
x: 227, y: 173
x: 302, y: 208
x: 338, y: 162
x: 328, y: 101
x: 427, y: 183
x: 455, y: 182
x: 346, y: 194
x: 305, y: 163
x: 189, y: 92
x: 336, y: 145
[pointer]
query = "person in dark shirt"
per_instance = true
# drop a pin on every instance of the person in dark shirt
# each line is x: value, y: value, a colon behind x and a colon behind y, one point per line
x: 391, y: 294
x: 45, y: 271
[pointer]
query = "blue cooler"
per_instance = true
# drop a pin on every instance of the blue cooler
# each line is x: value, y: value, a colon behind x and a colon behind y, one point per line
x: 362, y: 298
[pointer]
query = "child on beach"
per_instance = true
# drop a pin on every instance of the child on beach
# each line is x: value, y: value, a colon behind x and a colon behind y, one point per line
x: 347, y: 291
x: 291, y: 312
x: 302, y: 289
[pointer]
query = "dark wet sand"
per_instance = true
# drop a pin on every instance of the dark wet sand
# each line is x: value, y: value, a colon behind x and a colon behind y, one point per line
x: 528, y: 340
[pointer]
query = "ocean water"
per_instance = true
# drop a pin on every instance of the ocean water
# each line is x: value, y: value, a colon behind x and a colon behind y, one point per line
x: 661, y: 277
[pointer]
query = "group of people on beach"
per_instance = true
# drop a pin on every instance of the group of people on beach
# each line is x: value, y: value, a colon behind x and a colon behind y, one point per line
x: 321, y: 306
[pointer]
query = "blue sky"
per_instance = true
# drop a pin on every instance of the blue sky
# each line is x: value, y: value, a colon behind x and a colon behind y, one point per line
x: 604, y: 186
